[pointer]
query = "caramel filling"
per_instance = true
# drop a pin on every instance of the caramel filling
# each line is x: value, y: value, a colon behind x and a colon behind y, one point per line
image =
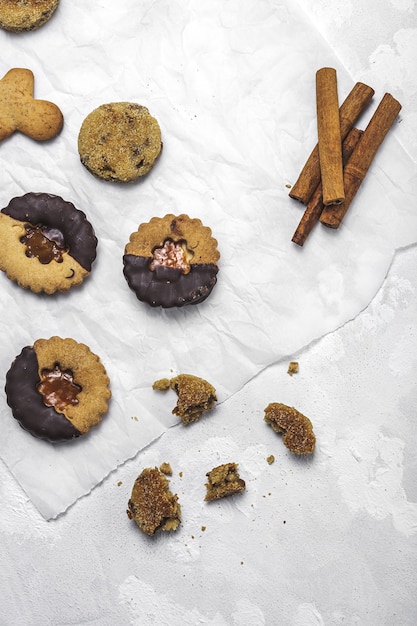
x: 173, y: 254
x: 58, y: 387
x: 47, y: 244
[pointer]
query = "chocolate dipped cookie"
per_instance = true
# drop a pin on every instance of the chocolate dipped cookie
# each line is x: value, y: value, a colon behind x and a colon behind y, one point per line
x: 119, y: 141
x: 171, y: 261
x: 57, y: 389
x: 46, y: 244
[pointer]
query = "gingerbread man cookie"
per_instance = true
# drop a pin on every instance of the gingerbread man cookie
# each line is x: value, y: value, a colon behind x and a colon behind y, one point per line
x: 38, y: 119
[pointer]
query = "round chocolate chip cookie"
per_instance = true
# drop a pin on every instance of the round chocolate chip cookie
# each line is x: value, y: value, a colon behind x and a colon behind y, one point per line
x: 119, y: 142
x: 171, y: 261
x: 57, y: 389
x: 23, y: 15
x: 46, y: 244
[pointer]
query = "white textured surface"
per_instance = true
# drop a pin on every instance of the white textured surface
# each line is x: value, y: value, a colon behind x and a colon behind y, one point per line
x: 347, y: 551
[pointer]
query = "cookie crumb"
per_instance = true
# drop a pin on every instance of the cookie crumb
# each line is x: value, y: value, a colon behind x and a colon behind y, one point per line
x: 223, y: 481
x: 119, y: 482
x: 293, y: 368
x: 270, y: 459
x: 166, y: 469
x: 161, y: 385
x: 203, y: 528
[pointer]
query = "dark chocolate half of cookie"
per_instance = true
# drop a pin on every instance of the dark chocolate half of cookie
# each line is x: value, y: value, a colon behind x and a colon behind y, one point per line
x: 168, y: 286
x: 68, y: 223
x: 27, y: 405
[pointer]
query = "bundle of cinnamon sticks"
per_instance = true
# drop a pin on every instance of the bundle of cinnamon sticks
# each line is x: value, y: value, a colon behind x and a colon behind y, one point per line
x: 338, y: 164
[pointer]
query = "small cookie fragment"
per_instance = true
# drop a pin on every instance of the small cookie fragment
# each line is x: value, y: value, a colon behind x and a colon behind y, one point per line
x: 119, y: 142
x: 270, y: 459
x: 195, y: 395
x: 223, y: 481
x: 171, y: 261
x: 46, y: 244
x: 57, y: 389
x: 25, y: 15
x: 20, y: 111
x: 296, y: 427
x: 293, y: 368
x: 166, y: 468
x: 152, y: 505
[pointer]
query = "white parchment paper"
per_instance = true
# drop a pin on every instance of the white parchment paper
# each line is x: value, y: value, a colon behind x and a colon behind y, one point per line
x: 232, y: 85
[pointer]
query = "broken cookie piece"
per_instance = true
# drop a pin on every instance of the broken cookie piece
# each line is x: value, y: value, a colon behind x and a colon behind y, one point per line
x: 223, y: 481
x: 296, y: 428
x: 293, y: 368
x: 152, y: 505
x: 166, y: 469
x: 195, y: 395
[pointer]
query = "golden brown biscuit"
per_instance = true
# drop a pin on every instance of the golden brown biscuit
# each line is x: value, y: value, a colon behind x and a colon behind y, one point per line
x: 46, y: 244
x: 20, y: 111
x: 119, y: 141
x: 195, y: 396
x: 23, y: 15
x: 296, y: 427
x: 152, y: 505
x: 223, y: 481
x: 57, y: 389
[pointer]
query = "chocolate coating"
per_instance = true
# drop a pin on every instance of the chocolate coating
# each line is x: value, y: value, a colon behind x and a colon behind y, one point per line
x: 27, y: 404
x: 166, y: 286
x: 57, y: 214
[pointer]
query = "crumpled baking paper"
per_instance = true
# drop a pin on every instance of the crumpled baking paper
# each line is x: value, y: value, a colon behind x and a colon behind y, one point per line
x: 232, y: 85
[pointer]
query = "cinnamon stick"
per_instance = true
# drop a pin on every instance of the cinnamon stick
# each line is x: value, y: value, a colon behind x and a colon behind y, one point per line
x: 362, y: 157
x: 355, y: 102
x: 330, y: 139
x: 315, y: 206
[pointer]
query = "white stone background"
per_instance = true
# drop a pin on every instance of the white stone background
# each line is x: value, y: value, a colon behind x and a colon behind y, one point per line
x: 323, y: 541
